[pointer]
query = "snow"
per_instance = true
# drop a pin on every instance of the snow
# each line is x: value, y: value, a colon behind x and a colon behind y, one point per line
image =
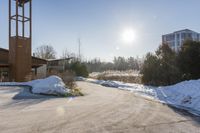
x: 52, y: 85
x: 184, y: 95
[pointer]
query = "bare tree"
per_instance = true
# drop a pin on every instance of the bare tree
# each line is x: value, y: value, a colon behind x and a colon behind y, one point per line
x: 45, y: 52
x: 67, y: 54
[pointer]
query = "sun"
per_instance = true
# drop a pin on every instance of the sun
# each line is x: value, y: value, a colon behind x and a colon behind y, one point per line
x: 128, y: 36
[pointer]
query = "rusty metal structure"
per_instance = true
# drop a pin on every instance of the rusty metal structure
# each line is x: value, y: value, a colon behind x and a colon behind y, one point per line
x: 20, y: 38
x: 5, y: 72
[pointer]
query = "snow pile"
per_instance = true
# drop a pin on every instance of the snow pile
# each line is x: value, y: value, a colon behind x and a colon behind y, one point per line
x: 52, y: 85
x: 80, y: 79
x: 110, y: 83
x: 184, y: 95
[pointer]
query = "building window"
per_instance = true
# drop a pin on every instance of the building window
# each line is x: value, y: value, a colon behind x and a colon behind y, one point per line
x: 189, y: 36
x: 178, y: 36
x: 178, y: 43
x: 172, y: 44
x: 183, y: 35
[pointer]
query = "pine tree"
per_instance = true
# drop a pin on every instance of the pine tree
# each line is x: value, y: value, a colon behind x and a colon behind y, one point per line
x: 189, y: 60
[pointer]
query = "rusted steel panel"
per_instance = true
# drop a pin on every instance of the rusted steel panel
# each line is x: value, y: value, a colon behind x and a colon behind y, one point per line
x: 4, y: 59
x: 20, y: 58
x: 3, y: 56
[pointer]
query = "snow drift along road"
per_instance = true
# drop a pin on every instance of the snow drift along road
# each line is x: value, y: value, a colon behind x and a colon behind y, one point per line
x: 184, y: 95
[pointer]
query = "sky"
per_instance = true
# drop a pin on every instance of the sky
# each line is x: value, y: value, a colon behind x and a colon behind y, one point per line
x: 101, y: 24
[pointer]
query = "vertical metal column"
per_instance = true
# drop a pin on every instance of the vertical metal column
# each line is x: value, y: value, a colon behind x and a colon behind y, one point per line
x: 17, y: 19
x: 30, y: 17
x: 9, y: 18
x: 23, y: 23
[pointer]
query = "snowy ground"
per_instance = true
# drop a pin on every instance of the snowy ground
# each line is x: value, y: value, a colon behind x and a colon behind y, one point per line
x: 184, y: 95
x: 101, y: 110
x: 52, y: 85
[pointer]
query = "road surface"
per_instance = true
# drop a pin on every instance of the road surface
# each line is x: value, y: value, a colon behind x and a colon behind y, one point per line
x: 101, y: 110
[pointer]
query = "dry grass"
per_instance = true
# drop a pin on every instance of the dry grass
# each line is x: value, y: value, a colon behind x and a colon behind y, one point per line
x: 126, y: 79
x: 129, y: 76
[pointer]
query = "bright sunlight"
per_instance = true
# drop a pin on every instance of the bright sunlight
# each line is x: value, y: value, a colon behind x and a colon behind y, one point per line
x: 128, y: 36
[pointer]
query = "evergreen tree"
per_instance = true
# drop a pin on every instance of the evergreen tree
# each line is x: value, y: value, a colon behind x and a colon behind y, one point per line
x: 149, y: 70
x: 169, y: 72
x: 161, y: 68
x: 80, y: 69
x: 189, y: 60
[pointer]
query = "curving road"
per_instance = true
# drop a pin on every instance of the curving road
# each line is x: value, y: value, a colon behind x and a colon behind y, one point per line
x: 101, y: 110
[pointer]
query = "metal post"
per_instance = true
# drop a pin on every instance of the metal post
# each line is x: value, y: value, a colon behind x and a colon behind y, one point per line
x: 23, y: 25
x: 30, y: 19
x: 9, y: 18
x: 17, y: 18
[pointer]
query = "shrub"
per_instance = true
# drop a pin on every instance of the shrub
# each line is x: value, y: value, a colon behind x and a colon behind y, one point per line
x: 67, y: 77
x: 80, y: 69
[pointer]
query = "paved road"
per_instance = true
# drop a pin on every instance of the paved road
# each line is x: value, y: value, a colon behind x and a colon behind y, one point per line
x: 101, y: 110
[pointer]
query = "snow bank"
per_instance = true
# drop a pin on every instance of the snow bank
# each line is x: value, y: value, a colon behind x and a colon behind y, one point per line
x: 184, y: 95
x: 52, y: 85
x: 80, y: 79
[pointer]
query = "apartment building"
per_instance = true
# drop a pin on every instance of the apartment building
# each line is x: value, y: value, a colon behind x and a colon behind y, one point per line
x: 176, y: 39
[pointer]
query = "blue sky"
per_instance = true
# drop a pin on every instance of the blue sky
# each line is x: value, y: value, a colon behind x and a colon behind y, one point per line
x: 100, y: 23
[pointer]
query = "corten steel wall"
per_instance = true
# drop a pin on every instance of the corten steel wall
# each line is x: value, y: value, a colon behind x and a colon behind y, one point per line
x: 3, y: 56
x: 20, y: 58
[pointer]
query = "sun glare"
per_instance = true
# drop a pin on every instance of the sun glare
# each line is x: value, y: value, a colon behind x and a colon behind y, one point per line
x: 128, y: 36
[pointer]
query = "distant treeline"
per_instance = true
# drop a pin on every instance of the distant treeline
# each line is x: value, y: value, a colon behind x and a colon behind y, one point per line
x: 119, y: 63
x: 95, y: 65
